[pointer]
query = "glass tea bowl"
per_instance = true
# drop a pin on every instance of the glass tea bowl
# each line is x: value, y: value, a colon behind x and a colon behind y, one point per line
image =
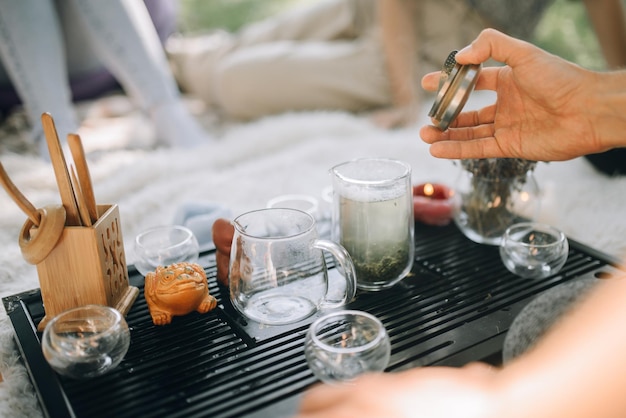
x: 303, y: 202
x: 345, y: 344
x: 85, y: 342
x: 533, y: 250
x: 165, y: 245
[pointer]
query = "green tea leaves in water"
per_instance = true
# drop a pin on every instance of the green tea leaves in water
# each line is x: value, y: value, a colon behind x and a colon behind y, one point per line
x: 377, y: 238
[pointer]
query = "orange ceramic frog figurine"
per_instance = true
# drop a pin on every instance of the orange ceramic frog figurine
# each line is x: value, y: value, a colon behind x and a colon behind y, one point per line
x: 176, y: 290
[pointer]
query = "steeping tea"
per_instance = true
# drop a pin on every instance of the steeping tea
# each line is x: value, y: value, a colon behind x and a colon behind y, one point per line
x: 377, y: 237
x: 373, y: 219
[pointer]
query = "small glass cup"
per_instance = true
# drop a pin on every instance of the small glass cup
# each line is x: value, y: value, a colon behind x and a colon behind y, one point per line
x: 85, y: 342
x: 345, y: 344
x: 533, y: 250
x: 165, y: 245
x: 303, y: 202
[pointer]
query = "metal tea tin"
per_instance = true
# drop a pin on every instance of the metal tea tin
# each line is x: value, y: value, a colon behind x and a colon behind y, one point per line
x: 455, y: 85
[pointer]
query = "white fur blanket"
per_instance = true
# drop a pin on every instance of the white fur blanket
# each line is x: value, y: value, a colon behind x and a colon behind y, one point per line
x: 247, y: 165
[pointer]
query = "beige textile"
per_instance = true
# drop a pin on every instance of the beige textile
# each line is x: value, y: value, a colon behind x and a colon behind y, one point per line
x: 325, y: 55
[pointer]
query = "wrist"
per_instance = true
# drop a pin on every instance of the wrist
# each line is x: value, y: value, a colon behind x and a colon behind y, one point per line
x: 606, y: 106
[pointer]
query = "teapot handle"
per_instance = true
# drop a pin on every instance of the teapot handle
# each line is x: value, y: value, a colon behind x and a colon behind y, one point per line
x: 346, y: 269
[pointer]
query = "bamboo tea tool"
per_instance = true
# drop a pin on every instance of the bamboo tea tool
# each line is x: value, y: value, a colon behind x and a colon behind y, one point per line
x: 77, y: 247
x: 18, y: 197
x: 43, y: 227
x: 68, y: 198
x: 84, y: 178
x: 85, y: 219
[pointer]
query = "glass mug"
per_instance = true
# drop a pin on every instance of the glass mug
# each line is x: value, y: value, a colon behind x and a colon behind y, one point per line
x: 373, y: 219
x: 277, y: 270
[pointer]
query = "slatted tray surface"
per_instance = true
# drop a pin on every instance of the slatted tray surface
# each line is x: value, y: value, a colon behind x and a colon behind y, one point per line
x: 455, y: 307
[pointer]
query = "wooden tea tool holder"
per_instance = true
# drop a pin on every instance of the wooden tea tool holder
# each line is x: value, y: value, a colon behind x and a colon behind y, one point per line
x: 87, y: 264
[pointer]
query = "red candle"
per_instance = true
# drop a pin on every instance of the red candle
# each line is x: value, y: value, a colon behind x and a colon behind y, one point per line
x: 432, y: 203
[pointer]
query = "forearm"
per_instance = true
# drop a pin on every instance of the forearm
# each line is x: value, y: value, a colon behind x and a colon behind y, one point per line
x: 399, y: 47
x: 579, y: 369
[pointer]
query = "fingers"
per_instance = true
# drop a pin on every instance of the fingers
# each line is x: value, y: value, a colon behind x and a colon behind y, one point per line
x: 472, y: 135
x: 475, y: 140
x: 468, y: 125
x: 487, y: 80
x: 494, y: 44
x: 477, y: 118
x: 321, y: 397
x: 430, y: 82
x: 458, y: 150
x: 480, y: 369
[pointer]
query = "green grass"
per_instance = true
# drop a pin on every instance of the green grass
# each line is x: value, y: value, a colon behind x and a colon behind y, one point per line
x: 564, y: 29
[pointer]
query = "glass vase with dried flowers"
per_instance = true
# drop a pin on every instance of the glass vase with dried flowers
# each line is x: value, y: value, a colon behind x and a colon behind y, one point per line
x: 492, y: 194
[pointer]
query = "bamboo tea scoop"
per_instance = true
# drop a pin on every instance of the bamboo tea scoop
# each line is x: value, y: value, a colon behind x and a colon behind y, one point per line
x: 84, y: 183
x: 18, y: 197
x: 61, y: 172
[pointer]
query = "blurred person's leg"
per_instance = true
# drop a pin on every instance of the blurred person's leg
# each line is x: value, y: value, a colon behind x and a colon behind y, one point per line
x: 195, y: 59
x: 286, y: 75
x: 346, y: 75
x: 89, y: 78
x: 32, y: 51
x: 123, y: 35
x: 295, y: 76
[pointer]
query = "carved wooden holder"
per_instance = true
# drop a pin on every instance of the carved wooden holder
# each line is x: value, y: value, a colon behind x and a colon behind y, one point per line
x: 87, y: 266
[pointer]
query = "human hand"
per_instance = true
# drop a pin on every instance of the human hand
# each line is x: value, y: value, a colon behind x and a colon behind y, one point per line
x: 422, y: 392
x: 541, y: 112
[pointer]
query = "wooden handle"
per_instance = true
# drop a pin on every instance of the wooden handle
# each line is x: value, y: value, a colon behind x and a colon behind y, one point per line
x: 84, y: 178
x: 37, y: 242
x: 60, y: 170
x: 19, y: 198
x: 80, y: 200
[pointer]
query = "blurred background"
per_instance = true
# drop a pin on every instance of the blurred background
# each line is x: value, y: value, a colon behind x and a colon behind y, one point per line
x: 564, y: 29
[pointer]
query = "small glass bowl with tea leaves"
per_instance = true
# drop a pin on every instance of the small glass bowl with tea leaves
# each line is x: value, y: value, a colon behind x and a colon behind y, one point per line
x: 345, y: 344
x: 533, y: 250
